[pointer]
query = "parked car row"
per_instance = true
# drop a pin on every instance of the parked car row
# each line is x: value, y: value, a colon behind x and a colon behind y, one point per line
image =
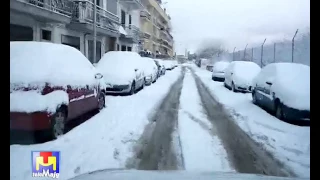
x: 52, y: 84
x: 281, y: 88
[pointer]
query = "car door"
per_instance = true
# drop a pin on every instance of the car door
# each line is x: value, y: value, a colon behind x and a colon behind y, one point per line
x: 139, y: 78
x: 263, y: 87
x: 74, y: 107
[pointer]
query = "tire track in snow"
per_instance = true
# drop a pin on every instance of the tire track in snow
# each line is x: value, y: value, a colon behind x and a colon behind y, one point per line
x: 158, y: 147
x: 246, y: 155
x: 201, y: 147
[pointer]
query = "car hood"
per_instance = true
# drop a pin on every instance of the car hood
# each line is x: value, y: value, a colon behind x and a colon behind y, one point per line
x: 177, y: 175
x: 118, y: 79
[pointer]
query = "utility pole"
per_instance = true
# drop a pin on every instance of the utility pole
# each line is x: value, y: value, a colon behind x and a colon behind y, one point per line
x: 293, y: 43
x: 274, y: 52
x: 244, y: 55
x: 252, y: 54
x: 233, y: 53
x: 262, y: 51
x: 95, y: 32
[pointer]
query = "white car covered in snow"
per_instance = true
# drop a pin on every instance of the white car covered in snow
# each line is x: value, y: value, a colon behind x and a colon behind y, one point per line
x: 239, y: 75
x: 122, y: 72
x: 150, y: 70
x: 284, y: 89
x: 50, y: 84
x: 218, y: 70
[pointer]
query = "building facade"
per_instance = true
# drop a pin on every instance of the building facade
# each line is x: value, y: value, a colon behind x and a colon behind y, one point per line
x: 70, y: 22
x: 156, y: 29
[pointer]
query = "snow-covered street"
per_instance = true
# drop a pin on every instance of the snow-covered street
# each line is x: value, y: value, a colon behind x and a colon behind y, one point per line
x: 183, y: 121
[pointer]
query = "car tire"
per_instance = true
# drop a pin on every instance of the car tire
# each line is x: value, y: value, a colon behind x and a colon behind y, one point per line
x: 279, y: 110
x: 58, y: 122
x: 101, y: 101
x: 233, y: 87
x: 133, y: 88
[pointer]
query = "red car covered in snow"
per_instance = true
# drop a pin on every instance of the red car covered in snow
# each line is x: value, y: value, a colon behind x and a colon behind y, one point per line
x: 51, y: 84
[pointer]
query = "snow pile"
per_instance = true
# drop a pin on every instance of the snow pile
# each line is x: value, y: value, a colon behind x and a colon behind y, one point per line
x: 202, y: 150
x: 288, y: 143
x: 244, y: 72
x: 118, y: 67
x: 290, y: 83
x: 36, y: 63
x: 33, y: 101
x: 105, y: 140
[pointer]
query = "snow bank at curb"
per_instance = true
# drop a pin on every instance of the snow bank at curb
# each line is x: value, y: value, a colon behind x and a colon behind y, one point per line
x: 289, y: 143
x: 105, y: 140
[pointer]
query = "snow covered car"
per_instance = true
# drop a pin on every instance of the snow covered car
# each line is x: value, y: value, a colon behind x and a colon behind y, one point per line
x: 218, y: 70
x: 122, y: 72
x: 163, y: 68
x: 150, y: 70
x: 239, y: 75
x: 284, y: 89
x: 159, y: 71
x: 50, y: 84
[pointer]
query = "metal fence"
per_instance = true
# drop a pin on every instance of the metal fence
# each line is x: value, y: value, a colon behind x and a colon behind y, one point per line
x: 296, y: 50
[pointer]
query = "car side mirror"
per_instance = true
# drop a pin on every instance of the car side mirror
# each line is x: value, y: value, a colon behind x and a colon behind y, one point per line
x: 135, y: 70
x: 269, y: 83
x: 98, y: 76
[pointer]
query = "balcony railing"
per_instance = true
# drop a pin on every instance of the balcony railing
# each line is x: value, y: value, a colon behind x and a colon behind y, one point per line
x: 133, y: 32
x: 145, y: 14
x: 59, y: 6
x: 83, y: 12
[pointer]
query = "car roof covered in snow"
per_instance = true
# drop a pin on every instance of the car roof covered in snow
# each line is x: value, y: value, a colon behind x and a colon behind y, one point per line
x: 220, y: 65
x: 177, y: 175
x: 36, y: 63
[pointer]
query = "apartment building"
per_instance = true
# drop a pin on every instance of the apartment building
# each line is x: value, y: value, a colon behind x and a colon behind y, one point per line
x: 66, y: 22
x: 129, y: 13
x: 156, y: 29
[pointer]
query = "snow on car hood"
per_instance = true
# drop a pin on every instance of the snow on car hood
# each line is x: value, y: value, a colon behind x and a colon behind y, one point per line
x: 292, y: 85
x: 169, y: 175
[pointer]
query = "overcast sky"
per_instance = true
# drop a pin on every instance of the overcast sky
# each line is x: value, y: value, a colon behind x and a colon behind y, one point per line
x: 235, y: 22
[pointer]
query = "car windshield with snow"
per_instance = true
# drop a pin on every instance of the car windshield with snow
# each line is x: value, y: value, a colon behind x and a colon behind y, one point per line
x: 155, y: 89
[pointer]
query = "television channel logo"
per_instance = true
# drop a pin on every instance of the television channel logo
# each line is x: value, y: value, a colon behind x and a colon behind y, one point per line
x: 45, y: 164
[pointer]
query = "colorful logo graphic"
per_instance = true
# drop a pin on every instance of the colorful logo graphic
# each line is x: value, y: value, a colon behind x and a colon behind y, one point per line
x: 45, y: 164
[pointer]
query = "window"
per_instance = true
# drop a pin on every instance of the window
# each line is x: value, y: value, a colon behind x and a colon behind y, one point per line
x: 20, y: 33
x: 71, y: 41
x: 46, y: 35
x: 129, y: 48
x: 130, y: 19
x: 123, y: 18
x: 123, y: 48
x: 118, y: 47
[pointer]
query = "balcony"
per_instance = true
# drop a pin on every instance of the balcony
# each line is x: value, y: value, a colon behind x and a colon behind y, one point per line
x: 146, y: 35
x: 145, y: 15
x: 82, y: 19
x: 133, y: 33
x: 132, y: 4
x: 59, y: 11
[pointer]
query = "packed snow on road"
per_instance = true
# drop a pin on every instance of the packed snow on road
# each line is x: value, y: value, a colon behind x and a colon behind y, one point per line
x: 288, y: 143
